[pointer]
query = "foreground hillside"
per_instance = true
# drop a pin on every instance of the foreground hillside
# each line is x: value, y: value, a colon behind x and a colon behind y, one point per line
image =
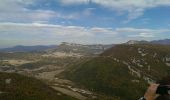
x: 18, y: 87
x: 122, y: 72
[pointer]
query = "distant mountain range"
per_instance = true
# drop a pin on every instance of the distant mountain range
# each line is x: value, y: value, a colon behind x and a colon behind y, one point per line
x: 64, y: 47
x: 73, y: 47
x: 161, y: 42
x: 164, y: 42
x: 27, y: 48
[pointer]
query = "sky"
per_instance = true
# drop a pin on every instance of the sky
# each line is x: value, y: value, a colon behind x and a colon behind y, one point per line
x: 47, y: 22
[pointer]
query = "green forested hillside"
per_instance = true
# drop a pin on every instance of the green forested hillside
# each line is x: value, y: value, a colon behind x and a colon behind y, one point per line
x: 123, y: 71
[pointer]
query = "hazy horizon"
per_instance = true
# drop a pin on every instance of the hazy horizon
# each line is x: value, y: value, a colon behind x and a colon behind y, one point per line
x: 74, y: 43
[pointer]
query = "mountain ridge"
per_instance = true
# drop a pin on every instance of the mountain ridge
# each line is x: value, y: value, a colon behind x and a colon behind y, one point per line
x: 161, y: 42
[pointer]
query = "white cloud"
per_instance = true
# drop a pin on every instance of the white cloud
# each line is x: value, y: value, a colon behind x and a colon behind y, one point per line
x: 68, y: 2
x: 88, y: 11
x: 55, y: 29
x: 48, y: 29
x: 145, y: 33
x: 17, y: 11
x: 38, y: 33
x: 132, y: 30
x: 34, y: 33
x: 135, y: 8
x: 103, y: 30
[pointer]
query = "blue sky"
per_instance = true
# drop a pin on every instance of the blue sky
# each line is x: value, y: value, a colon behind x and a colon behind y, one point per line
x: 44, y: 22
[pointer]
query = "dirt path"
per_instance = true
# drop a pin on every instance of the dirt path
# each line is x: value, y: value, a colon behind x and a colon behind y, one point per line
x: 70, y: 93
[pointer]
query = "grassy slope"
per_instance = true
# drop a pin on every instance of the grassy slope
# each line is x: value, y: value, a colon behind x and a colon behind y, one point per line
x: 27, y: 88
